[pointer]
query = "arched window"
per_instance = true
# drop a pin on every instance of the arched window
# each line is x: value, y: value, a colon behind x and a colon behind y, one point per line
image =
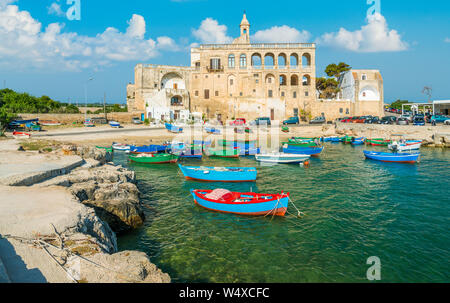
x: 364, y: 77
x: 294, y: 60
x: 294, y: 80
x: 256, y: 61
x: 270, y: 79
x: 269, y: 61
x: 243, y: 61
x: 306, y: 60
x: 281, y: 61
x: 283, y: 80
x: 306, y: 80
x: 231, y: 61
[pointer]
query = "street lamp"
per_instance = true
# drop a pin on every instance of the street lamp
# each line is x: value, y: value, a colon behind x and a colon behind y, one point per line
x: 85, y: 97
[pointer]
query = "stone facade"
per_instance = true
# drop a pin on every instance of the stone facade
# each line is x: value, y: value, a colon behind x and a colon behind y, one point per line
x: 246, y: 80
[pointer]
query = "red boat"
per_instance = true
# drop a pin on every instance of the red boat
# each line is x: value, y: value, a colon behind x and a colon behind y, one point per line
x: 21, y: 135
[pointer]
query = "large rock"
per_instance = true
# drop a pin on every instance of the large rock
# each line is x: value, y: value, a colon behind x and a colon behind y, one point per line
x: 123, y: 267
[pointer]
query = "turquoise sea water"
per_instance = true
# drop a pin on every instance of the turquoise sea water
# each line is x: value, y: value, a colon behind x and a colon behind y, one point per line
x: 355, y: 208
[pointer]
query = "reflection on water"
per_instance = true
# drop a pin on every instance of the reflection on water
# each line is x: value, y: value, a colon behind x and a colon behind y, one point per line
x: 355, y: 208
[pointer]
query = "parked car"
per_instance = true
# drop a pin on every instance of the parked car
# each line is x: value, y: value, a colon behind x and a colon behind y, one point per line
x: 341, y: 119
x: 318, y: 120
x: 347, y: 120
x: 292, y: 120
x: 372, y: 120
x: 439, y: 119
x: 388, y: 120
x: 238, y: 122
x: 99, y: 120
x: 402, y: 121
x: 359, y: 119
x: 419, y: 121
x: 447, y: 122
x: 262, y: 121
x: 407, y: 116
x: 136, y: 120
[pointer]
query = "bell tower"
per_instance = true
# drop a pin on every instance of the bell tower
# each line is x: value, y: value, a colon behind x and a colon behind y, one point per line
x: 245, y: 29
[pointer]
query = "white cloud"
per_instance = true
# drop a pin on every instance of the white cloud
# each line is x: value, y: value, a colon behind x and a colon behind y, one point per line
x: 211, y: 32
x: 282, y: 33
x: 55, y: 9
x: 375, y: 36
x: 25, y: 44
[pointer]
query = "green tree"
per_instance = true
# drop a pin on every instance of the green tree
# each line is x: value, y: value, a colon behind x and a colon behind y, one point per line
x: 336, y: 70
x: 398, y: 104
x: 328, y: 88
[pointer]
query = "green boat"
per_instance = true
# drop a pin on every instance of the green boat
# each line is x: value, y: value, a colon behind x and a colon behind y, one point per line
x: 154, y: 158
x: 348, y: 139
x: 108, y: 149
x: 285, y: 129
x: 300, y: 144
x: 378, y: 142
x: 302, y: 140
x: 224, y: 153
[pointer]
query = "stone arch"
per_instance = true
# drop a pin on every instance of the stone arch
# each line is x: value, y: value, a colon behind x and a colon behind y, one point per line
x: 306, y: 80
x: 282, y: 60
x: 283, y: 80
x: 306, y: 60
x: 294, y: 80
x: 176, y: 101
x: 256, y: 60
x: 369, y: 93
x: 173, y: 80
x: 270, y: 79
x: 293, y: 60
x: 269, y: 60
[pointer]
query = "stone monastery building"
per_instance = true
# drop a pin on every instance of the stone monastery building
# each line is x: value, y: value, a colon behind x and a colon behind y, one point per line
x: 249, y: 80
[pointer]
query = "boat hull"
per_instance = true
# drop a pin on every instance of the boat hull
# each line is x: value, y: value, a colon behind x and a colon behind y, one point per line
x: 392, y: 157
x: 210, y: 174
x: 173, y: 129
x: 155, y: 159
x: 282, y: 158
x: 313, y: 151
x: 274, y: 207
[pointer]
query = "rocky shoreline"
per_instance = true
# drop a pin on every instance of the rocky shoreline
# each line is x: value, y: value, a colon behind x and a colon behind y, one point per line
x: 68, y: 224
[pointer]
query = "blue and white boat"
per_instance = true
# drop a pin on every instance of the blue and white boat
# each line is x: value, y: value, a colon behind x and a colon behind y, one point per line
x: 149, y: 149
x: 282, y: 158
x: 392, y: 157
x: 311, y: 151
x: 114, y: 124
x: 120, y: 146
x: 248, y: 204
x: 219, y: 174
x: 184, y: 150
x: 213, y: 130
x: 359, y: 141
x: 173, y: 129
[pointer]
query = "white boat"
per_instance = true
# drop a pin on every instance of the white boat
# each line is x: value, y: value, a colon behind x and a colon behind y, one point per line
x: 120, y: 146
x: 396, y: 146
x: 282, y: 158
x: 114, y: 124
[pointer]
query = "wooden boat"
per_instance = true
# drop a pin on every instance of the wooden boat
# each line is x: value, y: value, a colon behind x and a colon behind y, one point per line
x: 312, y: 151
x: 154, y: 158
x: 88, y: 123
x: 303, y: 144
x: 331, y: 139
x: 114, y: 124
x: 213, y: 130
x: 378, y: 142
x: 184, y: 150
x: 173, y: 129
x: 358, y: 141
x: 336, y: 140
x: 49, y: 123
x: 119, y: 146
x: 108, y: 149
x: 250, y: 204
x: 21, y: 135
x: 237, y: 143
x: 219, y: 174
x: 392, y: 157
x: 251, y: 151
x: 282, y: 158
x: 285, y: 129
x: 16, y: 123
x: 406, y: 146
x: 149, y: 149
x: 224, y: 152
x: 32, y: 126
x: 348, y: 139
x: 301, y: 140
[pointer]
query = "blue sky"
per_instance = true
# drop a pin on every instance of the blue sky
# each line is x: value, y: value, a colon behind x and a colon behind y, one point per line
x: 42, y: 52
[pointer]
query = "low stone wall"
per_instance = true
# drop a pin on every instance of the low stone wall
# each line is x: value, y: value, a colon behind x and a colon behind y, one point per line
x: 79, y: 118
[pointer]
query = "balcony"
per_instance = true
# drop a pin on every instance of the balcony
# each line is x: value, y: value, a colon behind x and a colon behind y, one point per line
x: 214, y: 69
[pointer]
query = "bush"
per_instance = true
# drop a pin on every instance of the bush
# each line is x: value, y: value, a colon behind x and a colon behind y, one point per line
x: 146, y: 122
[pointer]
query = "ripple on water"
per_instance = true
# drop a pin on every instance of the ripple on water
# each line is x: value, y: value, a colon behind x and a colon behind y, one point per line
x: 354, y: 209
